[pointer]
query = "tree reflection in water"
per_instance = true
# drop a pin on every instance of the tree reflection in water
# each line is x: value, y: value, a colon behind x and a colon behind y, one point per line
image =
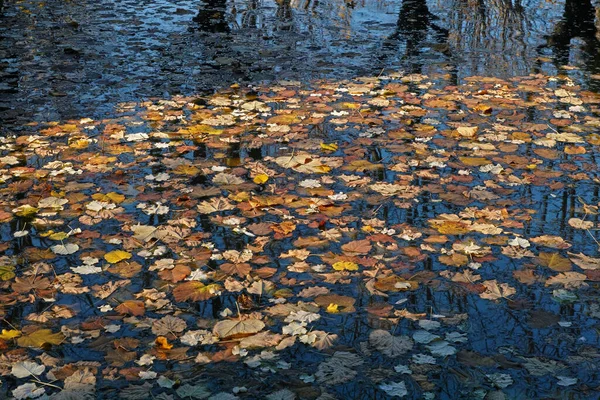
x: 578, y: 22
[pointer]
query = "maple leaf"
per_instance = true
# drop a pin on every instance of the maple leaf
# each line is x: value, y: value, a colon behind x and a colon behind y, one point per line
x: 162, y: 343
x: 262, y: 288
x: 131, y: 307
x: 554, y: 261
x: 115, y: 256
x: 555, y: 242
x: 570, y: 280
x: 389, y: 345
x: 81, y: 380
x: 195, y: 291
x: 7, y: 272
x: 215, y: 205
x: 240, y: 270
x: 260, y: 179
x: 585, y: 262
x: 343, y: 303
x: 168, y: 325
x: 495, y: 291
x: 345, y: 266
x: 338, y: 368
x: 39, y: 338
x: 10, y: 334
x: 357, y: 247
x: 232, y: 328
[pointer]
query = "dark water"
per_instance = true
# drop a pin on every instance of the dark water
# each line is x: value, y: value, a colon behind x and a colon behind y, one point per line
x: 66, y: 59
x: 73, y: 59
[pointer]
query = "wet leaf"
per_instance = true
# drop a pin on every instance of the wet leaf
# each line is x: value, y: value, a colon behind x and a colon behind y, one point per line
x: 235, y: 328
x: 554, y: 261
x: 389, y: 345
x: 115, y: 256
x: 195, y: 291
x: 39, y: 338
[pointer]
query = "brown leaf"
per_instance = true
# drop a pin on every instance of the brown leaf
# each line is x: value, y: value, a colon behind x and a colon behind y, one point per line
x: 240, y: 270
x: 236, y: 328
x: 570, y: 280
x: 195, y: 291
x: 554, y: 261
x: 168, y: 325
x: 357, y: 247
x: 345, y: 304
x: 584, y: 262
x: 495, y: 291
x: 131, y: 307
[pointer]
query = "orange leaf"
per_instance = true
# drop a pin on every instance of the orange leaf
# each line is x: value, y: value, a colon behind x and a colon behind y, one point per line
x: 357, y: 247
x: 132, y: 307
x: 195, y: 291
x: 162, y: 343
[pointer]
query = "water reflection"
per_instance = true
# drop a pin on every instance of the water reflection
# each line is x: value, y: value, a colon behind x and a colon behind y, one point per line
x: 578, y: 22
x: 167, y: 48
x: 211, y: 16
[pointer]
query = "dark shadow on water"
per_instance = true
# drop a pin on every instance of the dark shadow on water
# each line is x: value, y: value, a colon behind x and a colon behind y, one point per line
x: 211, y: 17
x: 578, y: 22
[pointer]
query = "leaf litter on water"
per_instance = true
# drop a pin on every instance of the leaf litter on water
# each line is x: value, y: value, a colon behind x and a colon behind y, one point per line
x: 338, y: 230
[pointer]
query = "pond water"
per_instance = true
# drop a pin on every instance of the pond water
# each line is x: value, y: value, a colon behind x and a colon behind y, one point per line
x: 391, y: 219
x: 71, y: 59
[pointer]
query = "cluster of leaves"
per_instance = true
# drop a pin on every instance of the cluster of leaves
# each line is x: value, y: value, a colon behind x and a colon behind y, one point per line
x: 259, y: 223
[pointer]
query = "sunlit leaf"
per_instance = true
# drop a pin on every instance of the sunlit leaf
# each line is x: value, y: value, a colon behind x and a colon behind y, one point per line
x: 39, y: 338
x: 195, y: 291
x: 232, y: 328
x: 115, y: 256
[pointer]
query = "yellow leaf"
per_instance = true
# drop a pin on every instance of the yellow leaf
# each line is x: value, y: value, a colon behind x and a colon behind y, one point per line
x: 322, y: 169
x: 112, y: 196
x: 467, y: 131
x: 329, y: 146
x: 186, y: 170
x: 25, y: 211
x: 260, y: 179
x: 11, y: 334
x: 79, y: 144
x: 332, y: 308
x: 117, y: 255
x: 345, y: 265
x: 199, y: 129
x: 474, y: 161
x: 40, y: 337
x: 58, y: 236
x: 7, y: 272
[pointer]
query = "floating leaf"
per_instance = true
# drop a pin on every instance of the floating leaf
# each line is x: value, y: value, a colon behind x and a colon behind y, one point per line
x: 554, y: 261
x: 569, y: 280
x: 345, y: 304
x: 115, y: 256
x: 495, y: 291
x: 168, y: 325
x: 65, y: 249
x: 195, y: 291
x: 7, y: 272
x: 39, y: 338
x: 345, y: 266
x: 131, y: 307
x: 235, y: 328
x: 260, y: 179
x: 26, y: 369
x: 389, y: 345
x: 9, y: 334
